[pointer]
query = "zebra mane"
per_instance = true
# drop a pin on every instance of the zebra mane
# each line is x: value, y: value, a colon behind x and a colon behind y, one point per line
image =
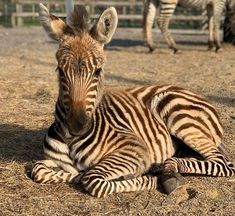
x: 79, y: 19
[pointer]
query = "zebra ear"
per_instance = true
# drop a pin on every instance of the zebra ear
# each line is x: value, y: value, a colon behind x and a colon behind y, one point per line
x: 54, y: 26
x: 106, y: 25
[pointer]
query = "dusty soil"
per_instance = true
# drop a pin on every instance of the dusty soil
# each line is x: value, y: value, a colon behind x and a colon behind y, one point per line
x: 28, y: 90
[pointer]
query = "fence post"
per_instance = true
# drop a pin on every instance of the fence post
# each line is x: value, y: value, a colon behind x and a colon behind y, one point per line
x: 19, y: 10
x: 69, y: 4
x: 33, y: 10
x: 132, y: 10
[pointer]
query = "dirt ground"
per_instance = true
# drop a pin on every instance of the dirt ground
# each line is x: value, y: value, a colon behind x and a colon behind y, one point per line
x: 28, y: 91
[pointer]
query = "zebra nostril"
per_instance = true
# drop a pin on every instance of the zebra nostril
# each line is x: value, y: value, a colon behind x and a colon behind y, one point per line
x: 78, y: 121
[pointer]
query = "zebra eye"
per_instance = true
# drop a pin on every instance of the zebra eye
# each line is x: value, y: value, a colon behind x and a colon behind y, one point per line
x: 97, y: 72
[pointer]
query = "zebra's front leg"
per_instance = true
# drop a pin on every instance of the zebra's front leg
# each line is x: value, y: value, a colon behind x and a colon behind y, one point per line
x: 119, y: 172
x: 217, y: 16
x: 149, y: 16
x: 57, y: 157
x: 43, y: 172
x: 215, y: 164
x: 210, y: 27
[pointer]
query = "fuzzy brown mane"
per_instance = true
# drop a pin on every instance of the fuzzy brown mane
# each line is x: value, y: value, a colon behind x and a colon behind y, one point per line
x: 79, y: 19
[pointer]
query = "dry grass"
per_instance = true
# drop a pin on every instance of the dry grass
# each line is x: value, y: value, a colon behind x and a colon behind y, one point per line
x: 28, y: 92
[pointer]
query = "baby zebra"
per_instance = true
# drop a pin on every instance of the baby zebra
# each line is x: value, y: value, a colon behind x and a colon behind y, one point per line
x: 166, y: 9
x: 109, y: 139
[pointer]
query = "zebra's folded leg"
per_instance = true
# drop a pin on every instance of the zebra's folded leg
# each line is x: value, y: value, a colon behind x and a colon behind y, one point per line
x: 42, y: 172
x: 115, y: 175
x: 214, y: 165
x: 170, y: 182
x: 170, y: 178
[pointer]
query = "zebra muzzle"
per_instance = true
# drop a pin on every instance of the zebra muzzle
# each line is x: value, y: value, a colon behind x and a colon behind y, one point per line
x: 78, y: 122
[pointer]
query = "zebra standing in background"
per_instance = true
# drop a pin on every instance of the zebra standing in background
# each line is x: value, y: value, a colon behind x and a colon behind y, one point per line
x: 110, y: 139
x: 166, y: 9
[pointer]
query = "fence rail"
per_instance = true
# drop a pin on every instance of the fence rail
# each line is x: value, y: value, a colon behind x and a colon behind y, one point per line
x: 129, y: 11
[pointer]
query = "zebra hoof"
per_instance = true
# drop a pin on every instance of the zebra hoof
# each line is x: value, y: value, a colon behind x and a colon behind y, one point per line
x: 176, y: 51
x: 210, y: 46
x: 218, y: 49
x: 151, y: 49
x: 210, y: 49
x: 170, y: 182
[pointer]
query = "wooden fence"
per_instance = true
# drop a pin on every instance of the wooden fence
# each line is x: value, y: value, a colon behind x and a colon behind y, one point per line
x: 129, y: 11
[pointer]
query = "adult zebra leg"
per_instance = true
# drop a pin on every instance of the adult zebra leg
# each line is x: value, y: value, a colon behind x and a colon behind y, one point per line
x: 166, y: 12
x: 209, y: 9
x: 42, y: 172
x: 119, y: 172
x: 148, y: 20
x: 217, y: 15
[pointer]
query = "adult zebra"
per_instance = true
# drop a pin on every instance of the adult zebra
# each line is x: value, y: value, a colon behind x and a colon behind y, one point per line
x: 166, y: 9
x: 111, y: 139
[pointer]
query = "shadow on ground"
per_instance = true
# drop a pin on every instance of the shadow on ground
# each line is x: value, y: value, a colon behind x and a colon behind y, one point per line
x: 127, y: 80
x: 118, y: 44
x: 20, y: 144
x: 224, y: 100
x: 125, y: 42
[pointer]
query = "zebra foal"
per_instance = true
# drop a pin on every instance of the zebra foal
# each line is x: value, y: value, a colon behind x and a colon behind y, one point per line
x: 166, y: 9
x: 110, y: 138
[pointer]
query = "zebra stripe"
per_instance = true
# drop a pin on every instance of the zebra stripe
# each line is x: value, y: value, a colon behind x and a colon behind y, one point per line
x: 166, y: 9
x: 120, y: 119
x: 112, y: 139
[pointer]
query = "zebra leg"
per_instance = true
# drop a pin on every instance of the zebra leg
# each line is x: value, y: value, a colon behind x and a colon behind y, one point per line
x: 42, y: 172
x: 214, y: 163
x: 217, y: 15
x: 148, y: 19
x: 119, y: 172
x: 166, y: 12
x: 210, y: 26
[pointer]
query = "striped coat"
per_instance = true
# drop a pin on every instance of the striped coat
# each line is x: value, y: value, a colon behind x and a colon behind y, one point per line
x: 166, y: 10
x: 115, y: 140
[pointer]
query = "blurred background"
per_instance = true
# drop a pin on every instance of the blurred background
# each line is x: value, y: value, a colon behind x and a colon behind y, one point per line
x: 15, y: 13
x: 24, y: 12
